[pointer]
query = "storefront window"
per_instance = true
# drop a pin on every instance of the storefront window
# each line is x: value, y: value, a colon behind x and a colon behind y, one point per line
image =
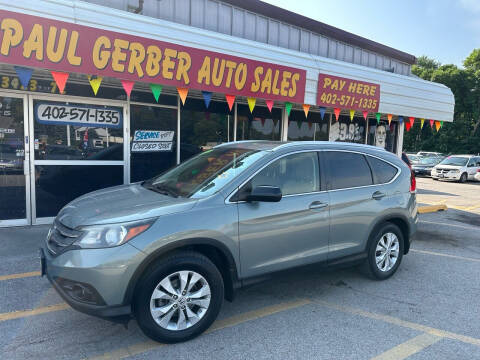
x: 71, y: 131
x: 261, y: 125
x: 202, y: 128
x: 347, y: 130
x: 307, y: 129
x: 153, y: 146
x: 57, y: 185
x: 383, y: 135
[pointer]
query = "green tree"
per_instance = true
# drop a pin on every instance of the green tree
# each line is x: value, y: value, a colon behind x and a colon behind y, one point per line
x: 463, y: 135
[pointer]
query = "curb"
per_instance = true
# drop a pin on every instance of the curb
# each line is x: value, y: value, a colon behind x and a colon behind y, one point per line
x: 431, y: 208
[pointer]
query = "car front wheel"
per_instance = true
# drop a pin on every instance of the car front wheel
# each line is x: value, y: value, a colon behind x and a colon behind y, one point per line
x: 385, y: 252
x: 463, y: 178
x: 179, y: 298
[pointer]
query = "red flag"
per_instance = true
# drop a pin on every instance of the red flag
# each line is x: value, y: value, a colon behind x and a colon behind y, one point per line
x: 60, y: 79
x: 365, y: 114
x: 127, y: 86
x: 230, y: 101
x: 408, y: 125
x: 269, y: 104
x: 337, y: 113
x: 431, y: 123
x: 412, y: 120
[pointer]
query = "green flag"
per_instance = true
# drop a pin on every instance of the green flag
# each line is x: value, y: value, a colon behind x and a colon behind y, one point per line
x: 288, y: 107
x: 156, y: 90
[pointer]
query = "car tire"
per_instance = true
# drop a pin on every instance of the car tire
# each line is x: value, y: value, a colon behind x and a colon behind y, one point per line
x: 169, y: 270
x: 463, y: 178
x: 379, y: 236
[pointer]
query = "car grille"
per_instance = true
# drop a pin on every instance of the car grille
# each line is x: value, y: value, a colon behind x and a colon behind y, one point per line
x: 443, y: 171
x: 60, y: 238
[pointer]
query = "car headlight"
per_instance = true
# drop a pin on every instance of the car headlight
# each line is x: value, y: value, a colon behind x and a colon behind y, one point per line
x: 454, y: 171
x: 102, y: 236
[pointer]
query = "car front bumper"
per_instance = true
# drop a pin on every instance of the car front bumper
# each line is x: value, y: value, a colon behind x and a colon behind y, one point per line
x: 447, y: 176
x: 104, y: 273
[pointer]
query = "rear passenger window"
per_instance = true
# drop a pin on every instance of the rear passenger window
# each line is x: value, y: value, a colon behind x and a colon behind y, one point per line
x: 347, y: 170
x: 382, y: 171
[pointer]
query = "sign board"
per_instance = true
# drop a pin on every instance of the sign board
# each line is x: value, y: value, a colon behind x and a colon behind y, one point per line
x: 35, y: 41
x: 151, y: 146
x: 78, y: 114
x: 343, y: 93
x: 153, y: 135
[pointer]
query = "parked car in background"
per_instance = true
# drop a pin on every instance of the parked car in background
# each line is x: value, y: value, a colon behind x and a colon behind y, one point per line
x: 424, y: 165
x: 406, y: 160
x: 457, y: 167
x: 170, y: 249
x: 412, y: 157
x: 430, y: 154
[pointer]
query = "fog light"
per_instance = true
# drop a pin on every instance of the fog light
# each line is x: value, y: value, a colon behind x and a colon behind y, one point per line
x: 80, y: 291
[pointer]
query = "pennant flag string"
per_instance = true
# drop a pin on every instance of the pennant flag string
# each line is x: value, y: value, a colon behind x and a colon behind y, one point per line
x: 422, y: 122
x: 269, y: 104
x: 251, y: 103
x: 60, y: 79
x: 24, y: 74
x: 322, y: 111
x: 207, y: 97
x: 127, y: 86
x: 230, y: 101
x: 378, y: 115
x: 431, y: 123
x: 288, y: 107
x: 337, y: 113
x: 352, y: 114
x: 306, y: 109
x: 156, y: 90
x: 365, y: 114
x: 95, y: 82
x: 182, y: 92
x: 389, y: 118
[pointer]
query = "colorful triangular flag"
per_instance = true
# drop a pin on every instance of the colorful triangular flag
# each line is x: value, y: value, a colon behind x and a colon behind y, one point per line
x: 230, y: 101
x: 156, y: 90
x: 269, y: 104
x: 389, y: 118
x: 422, y: 122
x: 365, y: 114
x: 431, y: 123
x: 336, y: 111
x: 127, y: 86
x: 60, y: 79
x: 441, y: 123
x: 412, y: 120
x: 408, y: 125
x: 352, y: 114
x: 306, y: 108
x: 378, y: 115
x: 400, y: 119
x: 182, y: 92
x: 24, y: 74
x: 322, y: 111
x: 437, y: 125
x: 251, y: 103
x: 95, y: 82
x: 288, y: 107
x: 207, y: 97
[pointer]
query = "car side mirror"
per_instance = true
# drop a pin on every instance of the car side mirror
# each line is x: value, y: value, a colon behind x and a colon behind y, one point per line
x: 265, y: 193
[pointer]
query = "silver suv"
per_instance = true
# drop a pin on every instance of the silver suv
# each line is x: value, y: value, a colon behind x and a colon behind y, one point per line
x: 170, y: 249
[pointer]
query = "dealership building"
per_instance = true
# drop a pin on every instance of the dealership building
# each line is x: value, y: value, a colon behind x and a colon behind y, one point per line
x: 107, y: 92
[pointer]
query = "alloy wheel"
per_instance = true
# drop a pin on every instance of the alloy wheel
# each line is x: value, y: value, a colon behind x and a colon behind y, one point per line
x: 180, y: 300
x: 387, y: 252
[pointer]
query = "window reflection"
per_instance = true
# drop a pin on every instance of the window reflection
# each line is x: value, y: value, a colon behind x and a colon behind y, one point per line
x: 312, y: 128
x: 261, y: 125
x: 346, y: 130
x: 383, y: 135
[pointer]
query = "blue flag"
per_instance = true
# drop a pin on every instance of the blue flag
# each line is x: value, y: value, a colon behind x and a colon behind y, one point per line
x: 400, y: 119
x: 207, y: 96
x: 24, y: 74
x: 322, y: 111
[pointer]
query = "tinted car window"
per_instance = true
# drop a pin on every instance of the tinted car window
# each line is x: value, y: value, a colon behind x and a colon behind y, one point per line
x: 293, y: 174
x: 382, y: 171
x: 347, y: 170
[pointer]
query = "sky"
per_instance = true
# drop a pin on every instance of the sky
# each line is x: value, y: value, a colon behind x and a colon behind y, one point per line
x: 446, y: 30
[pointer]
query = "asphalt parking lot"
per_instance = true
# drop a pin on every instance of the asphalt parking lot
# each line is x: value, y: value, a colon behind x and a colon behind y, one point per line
x: 428, y: 310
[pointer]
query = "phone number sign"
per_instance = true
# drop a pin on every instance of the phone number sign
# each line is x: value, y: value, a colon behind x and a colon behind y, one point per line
x: 339, y: 92
x: 78, y: 115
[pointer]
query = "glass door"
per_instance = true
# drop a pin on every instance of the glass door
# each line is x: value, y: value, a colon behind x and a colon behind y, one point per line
x: 14, y: 160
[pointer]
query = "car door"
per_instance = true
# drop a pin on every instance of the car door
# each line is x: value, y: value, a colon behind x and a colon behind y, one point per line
x: 355, y: 202
x: 294, y: 231
x: 472, y: 167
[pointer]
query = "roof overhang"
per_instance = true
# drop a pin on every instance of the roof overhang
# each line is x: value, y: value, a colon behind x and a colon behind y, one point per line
x: 400, y: 95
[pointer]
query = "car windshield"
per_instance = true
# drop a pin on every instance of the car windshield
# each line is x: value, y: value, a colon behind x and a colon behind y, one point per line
x: 455, y: 160
x: 428, y: 161
x: 205, y: 173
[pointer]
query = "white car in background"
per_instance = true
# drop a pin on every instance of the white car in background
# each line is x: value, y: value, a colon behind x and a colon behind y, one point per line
x: 457, y: 167
x: 477, y: 175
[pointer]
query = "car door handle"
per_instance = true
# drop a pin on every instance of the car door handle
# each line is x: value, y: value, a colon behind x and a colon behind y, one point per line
x: 377, y: 195
x: 317, y: 205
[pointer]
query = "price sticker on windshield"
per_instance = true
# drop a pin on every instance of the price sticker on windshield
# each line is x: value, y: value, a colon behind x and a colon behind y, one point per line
x: 54, y: 113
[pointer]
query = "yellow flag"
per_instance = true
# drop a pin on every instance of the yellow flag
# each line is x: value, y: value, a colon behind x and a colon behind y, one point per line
x: 422, y: 121
x: 251, y: 103
x: 352, y: 114
x: 95, y: 83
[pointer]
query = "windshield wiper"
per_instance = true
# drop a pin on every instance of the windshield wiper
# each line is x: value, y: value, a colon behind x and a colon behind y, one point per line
x: 162, y: 190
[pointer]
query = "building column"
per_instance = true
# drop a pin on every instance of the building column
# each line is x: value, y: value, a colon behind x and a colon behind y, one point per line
x: 284, y: 132
x: 400, y: 139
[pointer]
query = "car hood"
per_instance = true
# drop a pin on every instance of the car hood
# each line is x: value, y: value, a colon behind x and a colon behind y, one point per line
x: 448, y: 167
x: 120, y: 204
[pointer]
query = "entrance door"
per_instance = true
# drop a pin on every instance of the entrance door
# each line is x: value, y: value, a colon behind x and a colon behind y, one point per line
x: 14, y: 192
